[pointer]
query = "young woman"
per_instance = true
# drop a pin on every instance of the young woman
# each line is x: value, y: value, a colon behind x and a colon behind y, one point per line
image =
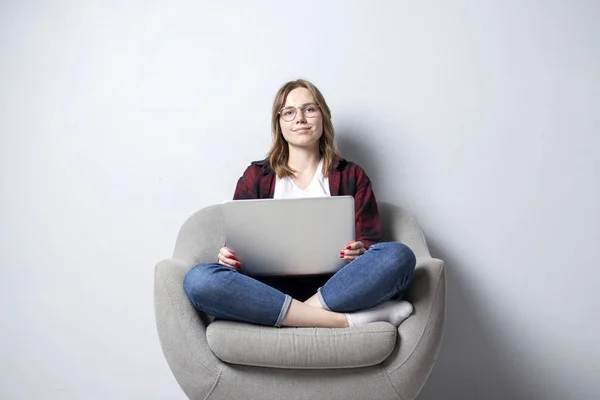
x: 303, y: 162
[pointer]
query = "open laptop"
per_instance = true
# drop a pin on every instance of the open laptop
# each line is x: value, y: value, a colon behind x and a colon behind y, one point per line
x: 287, y: 237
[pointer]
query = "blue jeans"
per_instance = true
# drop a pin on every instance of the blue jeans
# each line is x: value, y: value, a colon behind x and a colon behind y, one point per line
x: 383, y: 272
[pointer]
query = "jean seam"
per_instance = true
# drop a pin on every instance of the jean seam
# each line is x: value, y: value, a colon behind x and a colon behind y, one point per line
x: 322, y: 300
x: 284, y: 310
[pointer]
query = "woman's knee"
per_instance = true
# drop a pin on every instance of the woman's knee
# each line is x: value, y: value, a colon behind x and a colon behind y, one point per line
x: 198, y: 281
x: 400, y: 256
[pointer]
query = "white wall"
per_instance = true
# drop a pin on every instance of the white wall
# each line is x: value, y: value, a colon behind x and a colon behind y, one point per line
x: 117, y: 121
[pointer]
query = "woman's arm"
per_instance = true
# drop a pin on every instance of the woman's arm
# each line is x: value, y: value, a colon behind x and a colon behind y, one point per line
x: 247, y: 185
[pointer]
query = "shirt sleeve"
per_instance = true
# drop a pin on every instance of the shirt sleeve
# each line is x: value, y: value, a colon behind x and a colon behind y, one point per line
x: 368, y: 223
x: 247, y: 185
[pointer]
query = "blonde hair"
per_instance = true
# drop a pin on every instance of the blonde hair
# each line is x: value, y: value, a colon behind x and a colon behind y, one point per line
x: 279, y: 153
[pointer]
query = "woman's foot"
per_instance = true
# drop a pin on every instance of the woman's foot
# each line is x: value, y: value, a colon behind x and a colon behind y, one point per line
x: 392, y: 311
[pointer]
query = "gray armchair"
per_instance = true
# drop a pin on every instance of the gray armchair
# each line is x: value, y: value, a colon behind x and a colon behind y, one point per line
x: 233, y: 360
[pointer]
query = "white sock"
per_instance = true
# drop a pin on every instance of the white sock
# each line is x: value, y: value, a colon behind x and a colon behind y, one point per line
x: 392, y: 311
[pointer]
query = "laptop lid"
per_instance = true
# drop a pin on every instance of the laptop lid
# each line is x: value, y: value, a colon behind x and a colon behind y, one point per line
x: 289, y: 236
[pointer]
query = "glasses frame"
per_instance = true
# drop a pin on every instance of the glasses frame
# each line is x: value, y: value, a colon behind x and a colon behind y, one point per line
x: 302, y: 110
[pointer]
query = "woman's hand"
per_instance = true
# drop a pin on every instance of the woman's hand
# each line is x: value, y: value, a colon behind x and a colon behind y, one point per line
x: 227, y: 258
x: 352, y: 251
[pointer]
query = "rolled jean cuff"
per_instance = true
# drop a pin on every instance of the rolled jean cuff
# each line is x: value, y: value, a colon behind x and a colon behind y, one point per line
x: 320, y: 296
x: 284, y: 310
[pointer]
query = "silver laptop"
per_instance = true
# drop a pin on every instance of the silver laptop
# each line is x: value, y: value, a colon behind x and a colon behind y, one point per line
x: 289, y: 236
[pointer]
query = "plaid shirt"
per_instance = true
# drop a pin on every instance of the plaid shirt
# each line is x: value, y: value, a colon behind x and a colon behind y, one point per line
x: 345, y: 179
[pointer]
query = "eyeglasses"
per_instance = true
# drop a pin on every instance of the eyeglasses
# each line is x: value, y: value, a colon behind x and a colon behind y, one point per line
x: 308, y: 110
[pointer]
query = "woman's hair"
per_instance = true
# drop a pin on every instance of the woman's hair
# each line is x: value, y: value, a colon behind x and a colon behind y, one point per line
x: 279, y: 153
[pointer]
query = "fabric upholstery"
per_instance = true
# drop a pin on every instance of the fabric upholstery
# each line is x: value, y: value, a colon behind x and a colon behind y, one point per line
x: 303, y: 348
x: 184, y: 332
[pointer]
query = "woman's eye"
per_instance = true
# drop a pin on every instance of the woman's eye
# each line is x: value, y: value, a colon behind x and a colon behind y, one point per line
x: 310, y: 109
x: 288, y: 112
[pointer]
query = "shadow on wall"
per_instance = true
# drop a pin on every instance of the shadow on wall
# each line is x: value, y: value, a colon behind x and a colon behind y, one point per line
x: 353, y: 148
x: 470, y: 365
x: 361, y: 151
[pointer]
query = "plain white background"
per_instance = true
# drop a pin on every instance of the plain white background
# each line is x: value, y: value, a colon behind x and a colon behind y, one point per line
x: 120, y: 119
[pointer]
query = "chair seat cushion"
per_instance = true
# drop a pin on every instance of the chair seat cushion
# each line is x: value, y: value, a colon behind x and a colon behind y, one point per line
x: 301, y: 348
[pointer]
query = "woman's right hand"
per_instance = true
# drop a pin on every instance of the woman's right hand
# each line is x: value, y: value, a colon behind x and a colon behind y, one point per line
x: 227, y: 258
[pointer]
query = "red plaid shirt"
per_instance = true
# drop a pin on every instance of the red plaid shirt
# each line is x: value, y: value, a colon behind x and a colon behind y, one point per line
x: 345, y: 179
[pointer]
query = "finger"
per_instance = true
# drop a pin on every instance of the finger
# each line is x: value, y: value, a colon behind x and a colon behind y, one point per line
x: 226, y: 265
x: 229, y: 262
x: 350, y: 246
x: 354, y: 246
x: 223, y: 260
x: 222, y: 263
x: 227, y: 253
x: 351, y: 252
x: 223, y: 257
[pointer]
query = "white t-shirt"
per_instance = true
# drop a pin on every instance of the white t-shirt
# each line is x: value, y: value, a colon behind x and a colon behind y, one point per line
x: 286, y: 188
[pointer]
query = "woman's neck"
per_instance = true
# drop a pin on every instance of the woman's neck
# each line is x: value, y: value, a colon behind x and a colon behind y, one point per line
x: 304, y: 160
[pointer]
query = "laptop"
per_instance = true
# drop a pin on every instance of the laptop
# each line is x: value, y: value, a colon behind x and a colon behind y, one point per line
x: 289, y: 237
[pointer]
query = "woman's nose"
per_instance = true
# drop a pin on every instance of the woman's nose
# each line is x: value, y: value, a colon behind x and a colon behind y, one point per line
x: 300, y: 116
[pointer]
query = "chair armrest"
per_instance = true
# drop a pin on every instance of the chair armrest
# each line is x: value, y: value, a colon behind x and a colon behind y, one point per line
x: 420, y: 335
x: 182, y: 330
x: 400, y: 226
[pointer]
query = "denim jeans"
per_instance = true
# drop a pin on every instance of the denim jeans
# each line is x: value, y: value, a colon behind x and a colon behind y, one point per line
x: 383, y: 272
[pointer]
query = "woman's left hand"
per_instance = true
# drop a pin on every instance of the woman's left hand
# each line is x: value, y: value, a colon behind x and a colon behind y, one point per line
x: 352, y: 251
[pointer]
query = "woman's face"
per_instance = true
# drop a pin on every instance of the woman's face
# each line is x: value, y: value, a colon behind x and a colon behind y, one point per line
x: 306, y: 127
